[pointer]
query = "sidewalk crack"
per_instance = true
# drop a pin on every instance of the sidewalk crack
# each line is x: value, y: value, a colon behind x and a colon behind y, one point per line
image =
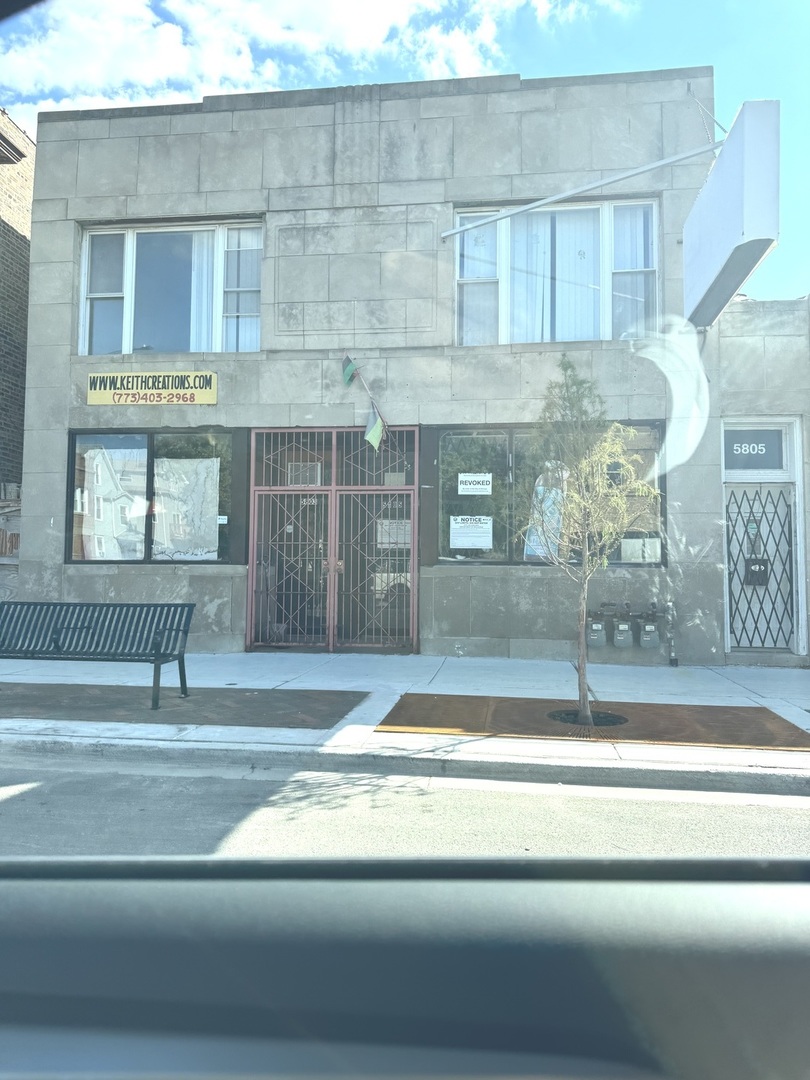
x: 437, y: 671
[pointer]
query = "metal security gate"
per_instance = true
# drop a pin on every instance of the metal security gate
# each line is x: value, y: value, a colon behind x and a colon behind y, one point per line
x: 332, y: 552
x: 760, y: 562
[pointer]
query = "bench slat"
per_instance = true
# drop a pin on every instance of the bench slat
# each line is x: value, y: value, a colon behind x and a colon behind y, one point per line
x: 61, y: 630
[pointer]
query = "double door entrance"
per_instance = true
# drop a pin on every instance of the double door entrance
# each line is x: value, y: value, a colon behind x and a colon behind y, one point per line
x: 332, y: 551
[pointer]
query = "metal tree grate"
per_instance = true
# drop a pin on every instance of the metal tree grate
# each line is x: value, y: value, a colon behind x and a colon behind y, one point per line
x: 759, y: 529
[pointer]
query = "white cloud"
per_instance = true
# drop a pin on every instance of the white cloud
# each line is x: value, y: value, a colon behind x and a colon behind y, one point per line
x: 79, y: 46
x: 93, y: 54
x: 352, y: 27
x: 620, y: 7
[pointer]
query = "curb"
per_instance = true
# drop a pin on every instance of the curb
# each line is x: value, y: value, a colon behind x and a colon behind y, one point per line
x: 755, y: 780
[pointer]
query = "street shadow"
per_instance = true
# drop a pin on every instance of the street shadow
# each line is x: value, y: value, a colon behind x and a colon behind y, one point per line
x: 66, y: 812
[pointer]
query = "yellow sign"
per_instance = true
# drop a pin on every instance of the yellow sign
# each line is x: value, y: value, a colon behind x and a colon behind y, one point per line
x: 152, y: 388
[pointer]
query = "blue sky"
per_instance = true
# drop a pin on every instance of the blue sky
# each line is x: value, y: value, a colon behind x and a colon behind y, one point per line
x: 92, y: 54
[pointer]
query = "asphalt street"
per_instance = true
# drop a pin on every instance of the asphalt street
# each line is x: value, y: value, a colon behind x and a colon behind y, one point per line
x: 53, y: 809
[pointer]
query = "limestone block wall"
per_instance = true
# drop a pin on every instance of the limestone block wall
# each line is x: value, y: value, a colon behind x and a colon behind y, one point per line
x: 353, y: 186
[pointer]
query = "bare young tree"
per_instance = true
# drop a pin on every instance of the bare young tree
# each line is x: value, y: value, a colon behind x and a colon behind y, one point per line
x: 588, y: 494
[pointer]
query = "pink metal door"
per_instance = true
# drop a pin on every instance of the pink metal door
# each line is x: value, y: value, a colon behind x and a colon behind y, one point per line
x: 332, y: 551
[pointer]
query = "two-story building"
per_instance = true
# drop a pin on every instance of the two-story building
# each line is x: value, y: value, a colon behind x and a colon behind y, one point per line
x: 200, y: 272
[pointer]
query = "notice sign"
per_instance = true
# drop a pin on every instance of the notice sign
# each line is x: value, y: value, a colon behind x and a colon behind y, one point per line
x: 471, y: 533
x: 152, y: 388
x: 393, y: 534
x: 475, y: 483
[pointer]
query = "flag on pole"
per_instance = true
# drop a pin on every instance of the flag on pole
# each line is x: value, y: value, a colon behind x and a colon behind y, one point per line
x: 375, y: 428
x: 350, y: 371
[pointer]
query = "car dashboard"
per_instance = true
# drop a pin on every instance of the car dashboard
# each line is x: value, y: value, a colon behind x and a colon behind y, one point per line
x: 577, y: 969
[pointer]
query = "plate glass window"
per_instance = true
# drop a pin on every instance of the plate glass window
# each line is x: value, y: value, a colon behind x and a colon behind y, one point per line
x: 173, y: 290
x: 563, y: 274
x: 154, y: 497
x: 489, y: 479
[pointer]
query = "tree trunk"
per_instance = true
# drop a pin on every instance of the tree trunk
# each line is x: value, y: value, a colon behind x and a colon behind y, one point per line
x: 584, y: 716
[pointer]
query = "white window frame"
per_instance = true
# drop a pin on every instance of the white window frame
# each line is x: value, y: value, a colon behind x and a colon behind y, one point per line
x: 786, y: 474
x: 130, y: 232
x: 606, y: 263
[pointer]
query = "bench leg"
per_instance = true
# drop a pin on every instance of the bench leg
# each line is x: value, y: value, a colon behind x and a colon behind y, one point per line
x: 156, y: 687
x: 181, y: 667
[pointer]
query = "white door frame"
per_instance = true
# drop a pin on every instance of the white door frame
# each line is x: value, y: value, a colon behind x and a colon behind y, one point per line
x: 791, y: 473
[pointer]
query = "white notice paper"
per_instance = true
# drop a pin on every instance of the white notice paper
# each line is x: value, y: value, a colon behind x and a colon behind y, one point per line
x: 471, y: 533
x: 475, y: 483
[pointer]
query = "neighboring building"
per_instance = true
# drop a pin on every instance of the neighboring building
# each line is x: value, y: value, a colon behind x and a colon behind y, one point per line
x: 16, y: 192
x: 200, y: 272
x: 750, y: 473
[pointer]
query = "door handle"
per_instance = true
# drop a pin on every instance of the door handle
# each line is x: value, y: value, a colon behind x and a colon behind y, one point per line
x: 329, y: 566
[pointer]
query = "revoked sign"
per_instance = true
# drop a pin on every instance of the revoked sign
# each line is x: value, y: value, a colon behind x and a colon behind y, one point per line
x: 475, y: 483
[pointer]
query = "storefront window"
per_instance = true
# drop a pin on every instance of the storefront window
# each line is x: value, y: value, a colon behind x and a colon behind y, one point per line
x: 488, y: 479
x: 474, y: 495
x: 192, y: 496
x: 153, y: 497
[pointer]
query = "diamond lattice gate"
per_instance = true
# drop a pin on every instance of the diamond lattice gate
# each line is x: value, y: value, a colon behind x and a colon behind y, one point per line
x: 332, y: 553
x: 759, y: 546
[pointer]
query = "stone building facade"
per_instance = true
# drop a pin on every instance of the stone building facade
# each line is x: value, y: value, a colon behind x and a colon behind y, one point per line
x: 200, y: 272
x: 17, y: 153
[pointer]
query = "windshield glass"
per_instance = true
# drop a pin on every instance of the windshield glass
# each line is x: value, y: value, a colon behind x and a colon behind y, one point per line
x: 403, y: 428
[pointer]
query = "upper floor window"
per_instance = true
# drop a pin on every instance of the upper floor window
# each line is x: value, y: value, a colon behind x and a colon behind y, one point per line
x: 180, y: 289
x: 584, y: 273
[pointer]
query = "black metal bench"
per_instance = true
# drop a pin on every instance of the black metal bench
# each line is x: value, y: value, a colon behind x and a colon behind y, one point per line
x: 137, y: 633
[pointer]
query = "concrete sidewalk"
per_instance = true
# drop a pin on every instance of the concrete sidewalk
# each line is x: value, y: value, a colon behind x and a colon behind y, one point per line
x: 353, y: 744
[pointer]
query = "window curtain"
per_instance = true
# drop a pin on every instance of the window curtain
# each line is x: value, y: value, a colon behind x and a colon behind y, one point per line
x: 531, y: 255
x: 202, y: 291
x: 634, y: 276
x: 555, y: 276
x: 632, y: 238
x: 577, y: 307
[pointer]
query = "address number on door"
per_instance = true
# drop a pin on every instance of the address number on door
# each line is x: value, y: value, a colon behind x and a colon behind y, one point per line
x: 750, y: 448
x: 754, y: 449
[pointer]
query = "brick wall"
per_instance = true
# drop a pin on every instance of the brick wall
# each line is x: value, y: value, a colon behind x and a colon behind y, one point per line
x: 16, y: 190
